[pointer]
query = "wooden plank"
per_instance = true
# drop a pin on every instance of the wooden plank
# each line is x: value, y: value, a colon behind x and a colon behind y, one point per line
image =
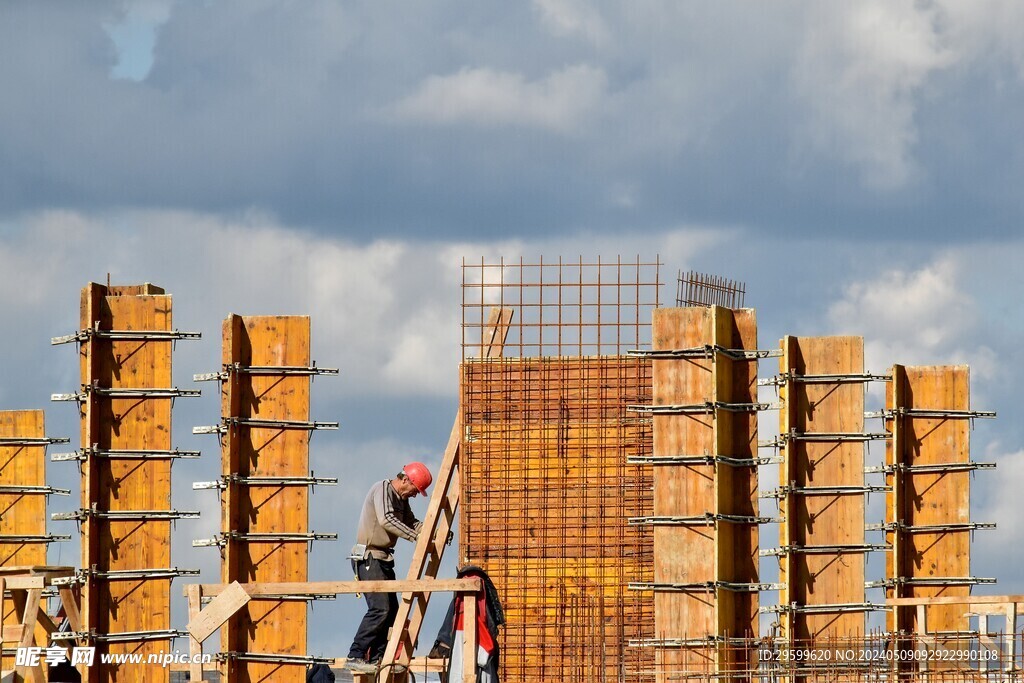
x: 13, y: 633
x: 469, y: 635
x: 70, y: 604
x: 348, y: 587
x: 957, y: 600
x: 823, y: 519
x: 267, y: 626
x: 195, y: 645
x: 29, y: 614
x: 202, y: 625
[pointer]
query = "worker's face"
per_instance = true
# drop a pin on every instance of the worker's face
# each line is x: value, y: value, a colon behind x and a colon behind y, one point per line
x: 407, y: 489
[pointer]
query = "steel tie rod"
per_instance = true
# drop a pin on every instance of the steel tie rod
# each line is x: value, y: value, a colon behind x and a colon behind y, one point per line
x: 8, y: 441
x: 124, y: 335
x: 264, y: 370
x: 147, y: 454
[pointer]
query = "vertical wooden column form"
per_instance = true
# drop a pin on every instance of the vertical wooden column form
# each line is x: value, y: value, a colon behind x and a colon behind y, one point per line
x: 693, y: 480
x: 126, y: 515
x: 821, y: 538
x: 929, y: 508
x: 23, y: 538
x: 252, y: 451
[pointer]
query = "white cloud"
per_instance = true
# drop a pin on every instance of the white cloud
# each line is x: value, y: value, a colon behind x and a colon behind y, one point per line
x: 485, y: 97
x: 861, y: 71
x: 913, y: 317
x: 572, y: 18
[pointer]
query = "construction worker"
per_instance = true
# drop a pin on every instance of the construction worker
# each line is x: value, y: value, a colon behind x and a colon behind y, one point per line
x: 385, y: 518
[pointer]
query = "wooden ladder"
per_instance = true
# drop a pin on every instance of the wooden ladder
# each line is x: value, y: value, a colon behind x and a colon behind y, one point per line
x: 444, y: 501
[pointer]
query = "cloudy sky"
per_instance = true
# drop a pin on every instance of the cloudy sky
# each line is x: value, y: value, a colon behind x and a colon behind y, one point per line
x: 858, y: 165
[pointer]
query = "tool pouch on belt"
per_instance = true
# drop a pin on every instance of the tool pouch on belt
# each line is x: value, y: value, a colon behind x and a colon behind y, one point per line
x: 359, y: 553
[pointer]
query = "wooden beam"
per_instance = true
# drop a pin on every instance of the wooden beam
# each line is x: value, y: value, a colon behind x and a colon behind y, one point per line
x: 957, y: 600
x: 469, y: 636
x: 195, y: 645
x: 202, y: 625
x: 70, y: 604
x: 349, y: 587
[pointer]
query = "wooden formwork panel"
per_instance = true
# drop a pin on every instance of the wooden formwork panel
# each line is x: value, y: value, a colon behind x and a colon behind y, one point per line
x: 822, y: 519
x: 929, y: 498
x: 266, y: 626
x: 683, y: 554
x: 20, y: 514
x: 546, y: 493
x: 117, y: 606
x: 725, y: 552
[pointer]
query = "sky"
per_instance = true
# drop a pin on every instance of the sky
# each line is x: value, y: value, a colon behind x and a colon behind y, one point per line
x: 857, y: 165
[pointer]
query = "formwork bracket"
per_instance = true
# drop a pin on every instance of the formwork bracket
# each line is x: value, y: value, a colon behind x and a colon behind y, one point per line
x: 264, y: 370
x: 124, y: 335
x: 148, y: 454
x: 6, y: 441
x: 838, y: 549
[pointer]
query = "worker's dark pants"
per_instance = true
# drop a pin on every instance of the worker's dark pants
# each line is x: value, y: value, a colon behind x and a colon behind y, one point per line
x: 372, y: 637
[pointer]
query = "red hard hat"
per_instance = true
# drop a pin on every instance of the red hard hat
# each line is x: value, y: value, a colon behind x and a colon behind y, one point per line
x: 419, y: 475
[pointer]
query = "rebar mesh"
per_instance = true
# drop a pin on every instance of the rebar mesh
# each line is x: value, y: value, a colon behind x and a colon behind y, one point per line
x: 699, y: 289
x: 562, y: 308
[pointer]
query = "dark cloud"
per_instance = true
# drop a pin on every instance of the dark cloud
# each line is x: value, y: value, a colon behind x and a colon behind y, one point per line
x: 700, y: 116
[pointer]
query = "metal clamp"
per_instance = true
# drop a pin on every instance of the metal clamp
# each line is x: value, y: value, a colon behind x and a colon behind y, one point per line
x: 674, y: 642
x: 824, y: 608
x: 706, y: 408
x: 142, y: 393
x: 700, y: 460
x: 228, y: 423
x: 223, y: 539
x: 124, y: 515
x: 124, y: 335
x: 707, y: 519
x: 125, y: 637
x: 33, y: 490
x: 134, y: 574
x: 784, y: 491
x: 840, y: 437
x: 264, y: 370
x: 937, y: 414
x: 929, y: 581
x: 41, y: 538
x: 705, y: 351
x: 9, y: 441
x: 303, y: 660
x: 839, y: 549
x: 705, y: 587
x: 852, y: 378
x: 938, y: 528
x: 224, y: 482
x: 148, y: 454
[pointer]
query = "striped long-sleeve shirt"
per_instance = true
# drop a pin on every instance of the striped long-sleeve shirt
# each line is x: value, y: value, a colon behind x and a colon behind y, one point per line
x: 385, y: 518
